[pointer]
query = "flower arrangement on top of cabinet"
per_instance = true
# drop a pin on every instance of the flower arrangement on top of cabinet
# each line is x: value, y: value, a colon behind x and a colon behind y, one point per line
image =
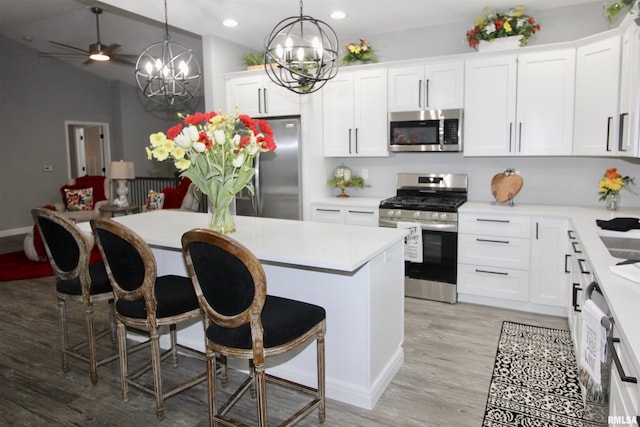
x: 610, y: 186
x: 358, y: 52
x: 495, y: 25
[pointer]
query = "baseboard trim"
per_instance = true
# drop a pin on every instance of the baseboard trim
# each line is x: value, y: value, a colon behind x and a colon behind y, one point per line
x: 14, y: 231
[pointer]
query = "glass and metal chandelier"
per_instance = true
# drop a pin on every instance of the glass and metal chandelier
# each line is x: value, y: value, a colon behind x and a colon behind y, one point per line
x: 301, y: 53
x: 167, y: 72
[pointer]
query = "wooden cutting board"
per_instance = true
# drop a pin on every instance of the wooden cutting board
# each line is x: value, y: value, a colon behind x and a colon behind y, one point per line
x: 506, y: 185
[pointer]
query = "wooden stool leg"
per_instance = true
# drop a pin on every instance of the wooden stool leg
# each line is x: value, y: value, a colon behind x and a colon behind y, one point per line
x: 321, y: 382
x: 261, y: 398
x: 211, y: 384
x: 62, y: 309
x: 91, y: 343
x: 122, y: 354
x: 157, y: 374
x: 174, y: 341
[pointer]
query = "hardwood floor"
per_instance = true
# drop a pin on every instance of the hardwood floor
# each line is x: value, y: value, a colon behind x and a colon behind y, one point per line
x: 449, y: 355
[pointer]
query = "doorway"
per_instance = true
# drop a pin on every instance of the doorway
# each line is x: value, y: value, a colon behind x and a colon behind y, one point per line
x: 88, y: 149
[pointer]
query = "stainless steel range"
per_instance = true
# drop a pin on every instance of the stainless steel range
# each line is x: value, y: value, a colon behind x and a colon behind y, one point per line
x: 431, y: 201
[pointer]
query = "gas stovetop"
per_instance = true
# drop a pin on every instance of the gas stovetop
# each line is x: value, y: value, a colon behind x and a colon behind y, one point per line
x: 428, y: 192
x: 421, y: 203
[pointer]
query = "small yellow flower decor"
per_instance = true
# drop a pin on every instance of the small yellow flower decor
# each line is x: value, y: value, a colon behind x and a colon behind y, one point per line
x: 610, y: 186
x: 358, y: 52
x: 494, y: 25
x: 215, y: 151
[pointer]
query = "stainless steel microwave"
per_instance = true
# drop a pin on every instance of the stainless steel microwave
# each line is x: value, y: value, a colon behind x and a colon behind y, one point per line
x: 426, y: 130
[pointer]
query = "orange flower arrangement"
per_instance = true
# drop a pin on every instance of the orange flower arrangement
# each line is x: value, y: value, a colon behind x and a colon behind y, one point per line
x: 612, y: 183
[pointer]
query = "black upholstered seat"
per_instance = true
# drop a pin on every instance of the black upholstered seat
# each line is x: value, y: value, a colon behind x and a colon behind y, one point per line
x: 69, y: 253
x: 146, y: 302
x: 242, y: 321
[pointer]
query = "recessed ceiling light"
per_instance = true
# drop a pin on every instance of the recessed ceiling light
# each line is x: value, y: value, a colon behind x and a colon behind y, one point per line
x: 338, y: 14
x: 230, y: 23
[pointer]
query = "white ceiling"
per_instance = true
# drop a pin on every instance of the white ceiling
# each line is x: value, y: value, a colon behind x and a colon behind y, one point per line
x: 135, y: 24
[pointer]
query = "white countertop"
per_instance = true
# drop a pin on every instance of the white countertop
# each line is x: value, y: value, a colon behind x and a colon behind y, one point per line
x: 302, y: 243
x: 622, y: 295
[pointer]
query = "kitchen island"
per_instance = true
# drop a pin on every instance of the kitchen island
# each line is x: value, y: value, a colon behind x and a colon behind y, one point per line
x: 356, y: 273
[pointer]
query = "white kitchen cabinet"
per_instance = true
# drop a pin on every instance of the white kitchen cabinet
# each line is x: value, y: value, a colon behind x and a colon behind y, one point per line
x: 596, y: 100
x: 356, y: 213
x: 520, y: 104
x: 548, y: 249
x: 354, y: 122
x: 493, y: 256
x: 258, y: 96
x: 628, y: 131
x: 429, y: 86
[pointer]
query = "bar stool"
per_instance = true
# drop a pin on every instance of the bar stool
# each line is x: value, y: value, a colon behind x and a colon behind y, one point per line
x: 69, y: 253
x: 242, y: 321
x: 144, y: 301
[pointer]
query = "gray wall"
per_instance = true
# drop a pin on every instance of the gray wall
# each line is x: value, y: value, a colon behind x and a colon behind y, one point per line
x: 38, y: 94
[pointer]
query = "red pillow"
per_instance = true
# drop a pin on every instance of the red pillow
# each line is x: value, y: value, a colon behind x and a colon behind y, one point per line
x: 171, y: 199
x: 173, y: 196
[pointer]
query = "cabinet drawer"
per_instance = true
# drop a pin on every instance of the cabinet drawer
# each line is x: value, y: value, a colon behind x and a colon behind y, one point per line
x: 504, y: 252
x: 328, y: 214
x: 495, y: 225
x: 362, y: 216
x: 493, y: 282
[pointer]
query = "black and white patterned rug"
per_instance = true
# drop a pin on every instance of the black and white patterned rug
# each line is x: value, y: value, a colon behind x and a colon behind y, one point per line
x: 535, y: 381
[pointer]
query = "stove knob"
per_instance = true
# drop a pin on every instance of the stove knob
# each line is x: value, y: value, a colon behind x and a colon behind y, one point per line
x: 398, y: 214
x: 416, y: 214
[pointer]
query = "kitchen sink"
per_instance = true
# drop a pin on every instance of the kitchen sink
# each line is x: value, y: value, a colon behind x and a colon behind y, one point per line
x: 622, y: 247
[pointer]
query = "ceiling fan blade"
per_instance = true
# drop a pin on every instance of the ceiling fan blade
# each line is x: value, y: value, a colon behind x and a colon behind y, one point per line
x: 69, y: 47
x: 61, y: 54
x: 118, y: 59
x: 111, y: 48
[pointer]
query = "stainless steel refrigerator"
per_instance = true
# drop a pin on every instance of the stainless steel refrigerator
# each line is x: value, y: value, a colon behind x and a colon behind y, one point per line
x: 277, y: 180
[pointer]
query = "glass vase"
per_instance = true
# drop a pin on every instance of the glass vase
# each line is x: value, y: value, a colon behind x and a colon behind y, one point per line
x: 612, y: 201
x: 221, y: 215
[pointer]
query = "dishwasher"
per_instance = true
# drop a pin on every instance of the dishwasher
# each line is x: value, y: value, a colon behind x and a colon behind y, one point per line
x: 606, y: 401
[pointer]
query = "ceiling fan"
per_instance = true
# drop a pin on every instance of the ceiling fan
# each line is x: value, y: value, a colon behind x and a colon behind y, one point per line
x: 97, y: 51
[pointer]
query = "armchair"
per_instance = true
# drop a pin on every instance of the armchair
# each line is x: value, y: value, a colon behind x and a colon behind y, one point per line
x: 82, y: 197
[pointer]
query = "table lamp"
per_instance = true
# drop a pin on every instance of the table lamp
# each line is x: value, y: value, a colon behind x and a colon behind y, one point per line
x: 122, y: 171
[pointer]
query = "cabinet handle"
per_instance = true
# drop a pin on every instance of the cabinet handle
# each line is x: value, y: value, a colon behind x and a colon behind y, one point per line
x: 571, y: 235
x: 361, y: 212
x: 356, y: 140
x: 493, y: 241
x: 260, y: 101
x: 327, y: 210
x: 574, y: 296
x: 500, y: 273
x: 420, y: 93
x: 510, y: 134
x: 264, y: 100
x: 520, y: 137
x: 582, y: 270
x: 426, y: 87
x: 537, y: 230
x: 505, y: 221
x: 349, y: 140
x: 566, y: 263
x: 609, y: 119
x: 575, y: 247
x: 621, y: 132
x: 616, y: 359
